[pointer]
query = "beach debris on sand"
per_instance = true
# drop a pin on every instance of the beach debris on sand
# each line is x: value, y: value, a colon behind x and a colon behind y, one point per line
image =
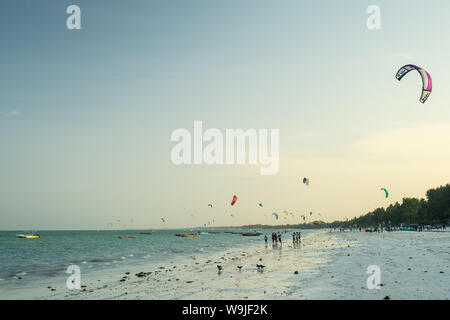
x: 142, y: 274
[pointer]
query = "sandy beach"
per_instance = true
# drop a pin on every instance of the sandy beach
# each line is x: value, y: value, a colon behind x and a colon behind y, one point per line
x: 327, y: 265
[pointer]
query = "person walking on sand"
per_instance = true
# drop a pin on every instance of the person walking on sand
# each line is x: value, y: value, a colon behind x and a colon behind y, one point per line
x: 279, y: 238
x: 265, y: 239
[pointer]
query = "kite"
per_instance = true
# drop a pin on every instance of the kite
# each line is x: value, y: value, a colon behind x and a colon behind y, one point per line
x: 275, y: 215
x: 162, y: 219
x: 386, y: 192
x: 427, y: 83
x: 306, y: 181
x: 210, y: 205
x: 234, y: 200
x: 260, y: 205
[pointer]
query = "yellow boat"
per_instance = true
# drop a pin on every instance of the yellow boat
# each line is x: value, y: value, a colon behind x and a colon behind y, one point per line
x: 28, y: 236
x: 187, y: 235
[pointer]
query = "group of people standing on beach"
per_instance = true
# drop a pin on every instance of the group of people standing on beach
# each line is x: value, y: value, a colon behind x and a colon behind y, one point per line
x: 276, y: 237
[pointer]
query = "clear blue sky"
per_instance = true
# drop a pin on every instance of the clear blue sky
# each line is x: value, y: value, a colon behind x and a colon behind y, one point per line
x: 86, y: 115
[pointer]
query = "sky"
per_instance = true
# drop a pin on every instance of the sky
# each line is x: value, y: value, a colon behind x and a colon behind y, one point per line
x: 86, y: 115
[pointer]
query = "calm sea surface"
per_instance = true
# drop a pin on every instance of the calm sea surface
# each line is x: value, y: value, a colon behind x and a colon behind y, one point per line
x: 32, y: 262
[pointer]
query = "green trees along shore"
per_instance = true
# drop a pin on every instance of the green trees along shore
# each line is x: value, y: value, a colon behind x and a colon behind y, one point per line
x: 434, y: 210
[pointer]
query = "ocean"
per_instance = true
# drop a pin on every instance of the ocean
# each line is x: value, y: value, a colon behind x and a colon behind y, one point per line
x: 28, y: 263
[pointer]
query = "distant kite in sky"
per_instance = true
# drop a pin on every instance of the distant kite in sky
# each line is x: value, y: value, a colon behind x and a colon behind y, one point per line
x: 162, y: 219
x: 427, y: 83
x: 260, y: 204
x: 306, y: 181
x: 275, y: 215
x: 210, y: 205
x: 385, y: 191
x: 234, y: 200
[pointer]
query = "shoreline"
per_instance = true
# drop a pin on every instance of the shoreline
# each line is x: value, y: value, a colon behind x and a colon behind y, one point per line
x: 329, y: 265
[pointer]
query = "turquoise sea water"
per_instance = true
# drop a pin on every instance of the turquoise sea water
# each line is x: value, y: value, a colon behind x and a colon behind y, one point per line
x: 34, y: 262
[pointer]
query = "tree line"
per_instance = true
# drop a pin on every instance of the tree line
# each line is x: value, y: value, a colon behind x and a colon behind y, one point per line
x: 434, y: 210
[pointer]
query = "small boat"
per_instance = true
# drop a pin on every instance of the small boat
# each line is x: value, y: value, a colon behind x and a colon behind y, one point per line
x: 28, y: 236
x: 145, y: 233
x: 127, y: 237
x: 187, y: 235
x: 251, y: 234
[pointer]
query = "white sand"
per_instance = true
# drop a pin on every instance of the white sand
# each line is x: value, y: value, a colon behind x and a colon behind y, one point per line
x: 414, y: 265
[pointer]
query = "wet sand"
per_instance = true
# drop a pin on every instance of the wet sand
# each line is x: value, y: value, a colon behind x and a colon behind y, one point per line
x: 327, y: 265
